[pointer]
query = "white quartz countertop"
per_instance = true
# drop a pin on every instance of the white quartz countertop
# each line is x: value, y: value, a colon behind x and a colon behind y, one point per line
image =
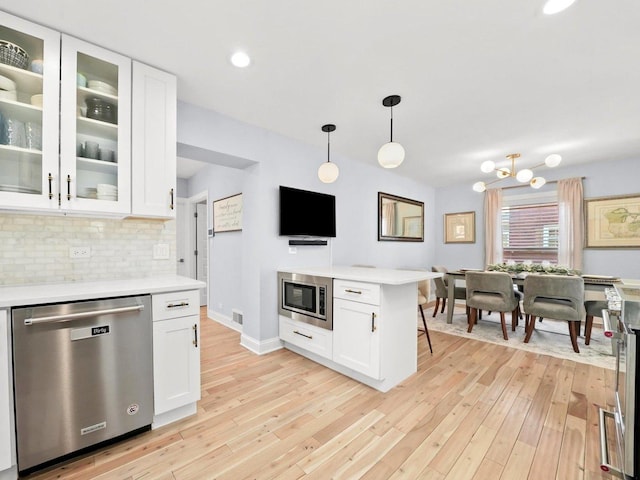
x: 385, y: 276
x: 11, y: 296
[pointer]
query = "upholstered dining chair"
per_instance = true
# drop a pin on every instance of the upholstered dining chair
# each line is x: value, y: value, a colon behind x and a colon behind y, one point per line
x: 491, y: 291
x: 423, y: 298
x: 594, y: 309
x: 442, y: 289
x: 559, y: 297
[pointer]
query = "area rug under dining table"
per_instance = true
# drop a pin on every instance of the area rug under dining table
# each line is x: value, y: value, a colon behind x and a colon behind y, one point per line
x: 551, y: 337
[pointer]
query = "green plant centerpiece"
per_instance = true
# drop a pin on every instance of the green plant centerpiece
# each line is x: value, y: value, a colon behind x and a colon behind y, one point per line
x: 532, y: 268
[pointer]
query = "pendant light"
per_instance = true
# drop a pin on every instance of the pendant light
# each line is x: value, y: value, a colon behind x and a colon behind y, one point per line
x: 328, y: 172
x: 391, y: 154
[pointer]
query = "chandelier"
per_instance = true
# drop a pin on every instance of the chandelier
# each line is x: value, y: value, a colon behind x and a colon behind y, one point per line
x: 525, y: 175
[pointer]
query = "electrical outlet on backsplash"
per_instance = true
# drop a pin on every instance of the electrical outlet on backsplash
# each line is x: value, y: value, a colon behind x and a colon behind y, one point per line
x: 36, y: 248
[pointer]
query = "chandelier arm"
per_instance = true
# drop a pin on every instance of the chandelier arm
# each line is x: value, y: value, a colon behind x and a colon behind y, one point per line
x: 494, y: 181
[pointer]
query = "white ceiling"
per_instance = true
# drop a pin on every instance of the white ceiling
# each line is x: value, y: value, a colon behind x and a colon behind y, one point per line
x: 478, y: 79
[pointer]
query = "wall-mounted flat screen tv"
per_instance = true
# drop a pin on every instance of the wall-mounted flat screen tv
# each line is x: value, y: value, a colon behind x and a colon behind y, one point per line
x: 305, y: 213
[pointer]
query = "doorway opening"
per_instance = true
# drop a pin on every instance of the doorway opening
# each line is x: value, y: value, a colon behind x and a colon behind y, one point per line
x: 192, y: 240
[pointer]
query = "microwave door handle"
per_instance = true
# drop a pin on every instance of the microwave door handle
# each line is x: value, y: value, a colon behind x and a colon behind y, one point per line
x: 80, y: 315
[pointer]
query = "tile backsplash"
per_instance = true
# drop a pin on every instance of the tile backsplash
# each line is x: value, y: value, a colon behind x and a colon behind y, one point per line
x: 35, y: 248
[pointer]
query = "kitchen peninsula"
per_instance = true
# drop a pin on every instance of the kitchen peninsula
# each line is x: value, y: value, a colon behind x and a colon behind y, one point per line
x: 373, y: 334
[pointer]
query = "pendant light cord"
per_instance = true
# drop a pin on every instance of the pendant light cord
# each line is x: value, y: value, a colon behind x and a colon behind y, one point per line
x: 391, y: 124
x: 328, y: 145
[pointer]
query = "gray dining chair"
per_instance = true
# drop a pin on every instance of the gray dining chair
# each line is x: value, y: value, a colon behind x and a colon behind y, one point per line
x: 594, y: 309
x: 559, y: 297
x: 442, y: 290
x: 491, y: 291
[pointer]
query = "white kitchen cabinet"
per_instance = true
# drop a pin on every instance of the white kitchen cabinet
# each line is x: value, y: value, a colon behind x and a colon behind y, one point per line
x: 153, y: 151
x: 94, y: 180
x: 176, y: 350
x: 29, y: 163
x: 306, y: 336
x: 357, y: 326
x: 6, y: 392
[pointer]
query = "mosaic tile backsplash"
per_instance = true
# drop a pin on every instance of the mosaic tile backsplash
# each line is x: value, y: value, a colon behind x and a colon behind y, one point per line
x: 35, y: 248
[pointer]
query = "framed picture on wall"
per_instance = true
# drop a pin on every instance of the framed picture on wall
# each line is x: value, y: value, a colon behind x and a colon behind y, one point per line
x: 613, y: 222
x: 460, y: 227
x: 227, y: 214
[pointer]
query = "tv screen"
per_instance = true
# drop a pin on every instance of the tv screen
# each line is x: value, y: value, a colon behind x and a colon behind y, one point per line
x: 307, y: 213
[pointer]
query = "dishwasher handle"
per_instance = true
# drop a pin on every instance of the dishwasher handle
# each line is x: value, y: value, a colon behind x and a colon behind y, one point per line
x: 80, y: 315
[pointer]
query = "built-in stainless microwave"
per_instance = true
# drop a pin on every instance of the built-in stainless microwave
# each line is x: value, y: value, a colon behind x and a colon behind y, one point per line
x: 306, y: 298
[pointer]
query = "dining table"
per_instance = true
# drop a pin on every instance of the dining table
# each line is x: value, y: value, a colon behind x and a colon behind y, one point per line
x: 591, y: 282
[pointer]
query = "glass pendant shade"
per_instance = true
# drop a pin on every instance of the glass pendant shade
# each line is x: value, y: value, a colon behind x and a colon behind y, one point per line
x: 391, y: 155
x: 328, y: 172
x: 503, y: 173
x: 479, y: 187
x: 537, y: 182
x: 524, y: 175
x: 553, y: 160
x: 488, y: 166
x: 556, y: 6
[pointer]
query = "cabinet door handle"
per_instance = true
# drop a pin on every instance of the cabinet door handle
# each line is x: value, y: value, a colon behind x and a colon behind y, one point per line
x: 50, y: 178
x: 195, y: 335
x: 68, y: 187
x: 310, y: 337
x: 373, y: 322
x: 348, y: 290
x: 176, y: 305
x: 171, y: 204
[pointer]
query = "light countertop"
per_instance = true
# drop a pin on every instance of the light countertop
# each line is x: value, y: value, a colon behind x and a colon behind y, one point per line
x: 385, y: 276
x: 34, y: 294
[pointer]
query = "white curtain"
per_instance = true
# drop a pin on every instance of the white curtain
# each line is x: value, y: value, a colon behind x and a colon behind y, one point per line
x: 570, y: 223
x: 492, y: 226
x: 389, y: 219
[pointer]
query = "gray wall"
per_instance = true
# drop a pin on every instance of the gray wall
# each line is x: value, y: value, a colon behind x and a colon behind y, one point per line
x: 244, y: 264
x: 602, y: 179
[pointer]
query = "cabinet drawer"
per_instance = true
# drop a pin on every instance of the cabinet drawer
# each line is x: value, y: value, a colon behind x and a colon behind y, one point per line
x: 175, y: 304
x: 313, y: 339
x: 357, y: 291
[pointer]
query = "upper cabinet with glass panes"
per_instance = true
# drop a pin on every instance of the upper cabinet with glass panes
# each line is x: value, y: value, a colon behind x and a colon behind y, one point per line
x: 29, y: 97
x: 66, y: 121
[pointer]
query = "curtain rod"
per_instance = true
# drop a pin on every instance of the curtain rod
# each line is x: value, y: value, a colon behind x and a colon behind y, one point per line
x: 522, y: 186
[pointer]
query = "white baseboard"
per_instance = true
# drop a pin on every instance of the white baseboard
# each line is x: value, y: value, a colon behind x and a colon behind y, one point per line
x: 260, y: 347
x: 256, y: 346
x: 224, y: 320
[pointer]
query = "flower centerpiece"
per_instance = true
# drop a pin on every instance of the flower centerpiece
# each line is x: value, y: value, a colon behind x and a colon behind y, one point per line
x: 532, y: 268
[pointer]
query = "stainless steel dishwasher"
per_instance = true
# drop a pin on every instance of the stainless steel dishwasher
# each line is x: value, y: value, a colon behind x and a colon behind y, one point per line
x: 83, y: 375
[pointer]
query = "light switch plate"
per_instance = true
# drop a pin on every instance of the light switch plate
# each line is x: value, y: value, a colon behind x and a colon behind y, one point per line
x: 161, y: 251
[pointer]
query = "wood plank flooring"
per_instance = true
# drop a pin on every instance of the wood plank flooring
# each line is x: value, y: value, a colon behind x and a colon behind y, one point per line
x: 474, y: 410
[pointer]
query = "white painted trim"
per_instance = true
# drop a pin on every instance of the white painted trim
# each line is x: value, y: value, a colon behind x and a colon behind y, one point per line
x: 224, y: 320
x: 174, y: 415
x: 260, y: 347
x: 250, y: 343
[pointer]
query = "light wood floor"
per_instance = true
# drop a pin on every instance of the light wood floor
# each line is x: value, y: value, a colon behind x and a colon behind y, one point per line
x: 473, y: 411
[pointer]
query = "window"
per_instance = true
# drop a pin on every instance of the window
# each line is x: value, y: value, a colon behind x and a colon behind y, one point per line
x: 530, y: 232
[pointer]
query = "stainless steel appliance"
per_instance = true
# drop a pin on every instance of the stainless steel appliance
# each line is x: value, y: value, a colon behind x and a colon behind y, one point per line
x: 83, y: 375
x: 626, y: 421
x: 306, y: 298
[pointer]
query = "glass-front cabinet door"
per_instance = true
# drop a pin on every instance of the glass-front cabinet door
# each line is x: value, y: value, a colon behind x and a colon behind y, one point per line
x: 29, y: 96
x: 95, y: 129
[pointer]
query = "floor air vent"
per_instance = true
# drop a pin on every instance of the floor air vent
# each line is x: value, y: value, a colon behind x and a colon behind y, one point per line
x: 237, y: 316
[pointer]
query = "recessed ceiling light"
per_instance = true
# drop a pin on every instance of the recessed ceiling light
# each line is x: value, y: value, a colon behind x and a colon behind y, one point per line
x: 556, y: 6
x: 240, y: 59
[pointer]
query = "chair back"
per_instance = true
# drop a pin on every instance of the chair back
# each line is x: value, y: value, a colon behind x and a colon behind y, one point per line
x: 440, y: 282
x: 423, y: 292
x: 490, y: 291
x: 554, y: 296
